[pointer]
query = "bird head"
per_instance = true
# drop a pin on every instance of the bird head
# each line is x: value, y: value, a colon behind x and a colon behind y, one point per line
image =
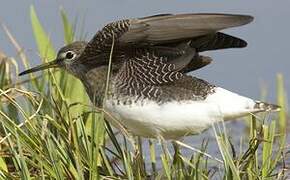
x: 66, y: 57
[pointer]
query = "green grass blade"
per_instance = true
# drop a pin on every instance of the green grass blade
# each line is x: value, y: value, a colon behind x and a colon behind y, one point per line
x: 68, y: 28
x: 43, y: 42
x: 3, y: 165
x: 281, y: 99
x: 268, y: 142
x: 24, y: 173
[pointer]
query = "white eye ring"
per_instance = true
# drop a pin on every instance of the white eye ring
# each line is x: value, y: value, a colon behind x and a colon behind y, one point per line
x: 70, y: 55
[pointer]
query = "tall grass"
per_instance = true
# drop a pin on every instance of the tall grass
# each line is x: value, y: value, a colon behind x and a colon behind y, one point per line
x: 49, y: 130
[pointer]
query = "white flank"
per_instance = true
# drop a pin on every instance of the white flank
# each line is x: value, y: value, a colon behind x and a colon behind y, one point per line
x: 172, y: 120
x: 231, y: 104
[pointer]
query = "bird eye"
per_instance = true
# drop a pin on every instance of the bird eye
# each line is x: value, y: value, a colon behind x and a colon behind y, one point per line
x: 69, y: 55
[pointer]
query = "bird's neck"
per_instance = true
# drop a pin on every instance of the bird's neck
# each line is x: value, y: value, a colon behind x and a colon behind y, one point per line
x: 94, y: 81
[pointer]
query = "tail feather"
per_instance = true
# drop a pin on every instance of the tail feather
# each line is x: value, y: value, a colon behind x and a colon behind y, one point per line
x: 262, y: 106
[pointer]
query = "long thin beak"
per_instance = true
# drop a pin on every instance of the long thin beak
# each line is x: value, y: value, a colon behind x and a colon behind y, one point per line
x: 51, y: 64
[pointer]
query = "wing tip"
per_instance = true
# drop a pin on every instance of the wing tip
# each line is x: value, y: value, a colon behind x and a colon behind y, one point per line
x: 246, y: 19
x: 243, y: 44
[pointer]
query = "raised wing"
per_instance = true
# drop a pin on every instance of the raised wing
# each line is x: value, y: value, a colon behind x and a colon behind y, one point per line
x: 167, y: 28
x: 159, y: 29
x: 158, y: 50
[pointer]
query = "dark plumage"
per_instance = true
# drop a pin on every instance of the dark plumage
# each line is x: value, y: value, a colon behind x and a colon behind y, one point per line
x: 151, y: 55
x: 149, y: 90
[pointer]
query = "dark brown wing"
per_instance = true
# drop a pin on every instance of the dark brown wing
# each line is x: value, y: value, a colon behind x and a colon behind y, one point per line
x: 167, y: 28
x: 152, y: 75
x: 196, y: 62
x: 160, y: 29
x: 169, y: 31
x: 216, y: 41
x: 143, y: 74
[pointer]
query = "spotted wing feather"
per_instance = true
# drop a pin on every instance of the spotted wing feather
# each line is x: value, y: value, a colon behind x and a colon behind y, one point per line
x: 143, y: 75
x: 102, y: 41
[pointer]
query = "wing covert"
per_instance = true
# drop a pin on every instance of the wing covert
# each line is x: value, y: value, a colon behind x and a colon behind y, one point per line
x: 144, y: 74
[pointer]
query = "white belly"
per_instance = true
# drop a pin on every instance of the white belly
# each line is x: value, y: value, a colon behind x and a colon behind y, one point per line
x: 169, y: 120
x: 172, y: 120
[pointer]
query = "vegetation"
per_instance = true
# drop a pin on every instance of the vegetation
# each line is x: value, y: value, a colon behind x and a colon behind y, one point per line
x: 49, y: 130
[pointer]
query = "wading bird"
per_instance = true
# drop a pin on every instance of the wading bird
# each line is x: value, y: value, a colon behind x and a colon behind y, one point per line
x: 150, y: 92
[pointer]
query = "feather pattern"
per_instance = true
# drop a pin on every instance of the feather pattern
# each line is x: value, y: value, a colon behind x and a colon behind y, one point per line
x: 159, y: 30
x: 149, y: 92
x: 142, y: 74
x: 152, y: 52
